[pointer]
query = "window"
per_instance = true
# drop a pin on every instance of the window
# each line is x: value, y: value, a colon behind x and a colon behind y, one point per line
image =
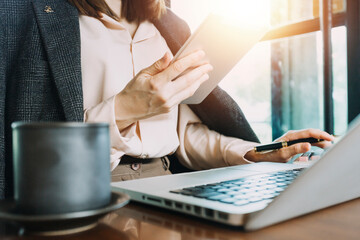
x: 279, y: 84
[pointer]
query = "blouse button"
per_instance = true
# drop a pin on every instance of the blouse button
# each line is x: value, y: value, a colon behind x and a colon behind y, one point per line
x: 135, y: 166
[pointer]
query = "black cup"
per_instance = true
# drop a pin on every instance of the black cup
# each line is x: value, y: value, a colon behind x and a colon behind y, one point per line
x: 61, y: 167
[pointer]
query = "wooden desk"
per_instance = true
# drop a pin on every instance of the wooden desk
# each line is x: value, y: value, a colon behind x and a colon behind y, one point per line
x: 141, y: 222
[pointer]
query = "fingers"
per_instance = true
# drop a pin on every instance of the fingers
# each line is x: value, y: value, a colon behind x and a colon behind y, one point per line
x: 285, y: 154
x: 281, y: 155
x: 315, y: 133
x: 189, y: 91
x: 159, y: 66
x: 192, y: 78
x: 186, y: 85
x: 307, y: 133
x: 324, y: 144
x: 178, y: 67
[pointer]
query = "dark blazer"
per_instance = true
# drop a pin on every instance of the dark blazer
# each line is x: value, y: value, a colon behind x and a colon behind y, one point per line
x: 2, y: 106
x: 42, y: 73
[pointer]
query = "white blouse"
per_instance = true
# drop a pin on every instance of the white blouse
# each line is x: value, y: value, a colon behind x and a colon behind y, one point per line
x: 110, y: 58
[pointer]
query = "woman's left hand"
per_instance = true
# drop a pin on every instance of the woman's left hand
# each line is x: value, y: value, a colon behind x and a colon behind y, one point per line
x: 286, y: 153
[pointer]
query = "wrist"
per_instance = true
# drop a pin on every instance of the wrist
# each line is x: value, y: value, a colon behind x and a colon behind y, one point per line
x: 123, y: 116
x: 251, y: 156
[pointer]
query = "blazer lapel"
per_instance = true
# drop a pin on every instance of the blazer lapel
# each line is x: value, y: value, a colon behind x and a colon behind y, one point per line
x: 59, y: 28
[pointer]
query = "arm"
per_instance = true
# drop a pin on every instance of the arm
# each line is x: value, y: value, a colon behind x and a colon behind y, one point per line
x: 202, y: 148
x: 152, y: 92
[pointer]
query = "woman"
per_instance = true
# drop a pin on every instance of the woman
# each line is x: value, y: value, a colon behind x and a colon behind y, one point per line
x: 103, y: 65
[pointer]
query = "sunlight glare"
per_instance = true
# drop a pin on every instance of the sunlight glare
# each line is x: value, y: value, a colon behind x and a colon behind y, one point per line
x: 251, y: 12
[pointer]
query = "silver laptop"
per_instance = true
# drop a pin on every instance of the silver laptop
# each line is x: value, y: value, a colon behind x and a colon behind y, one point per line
x: 260, y: 194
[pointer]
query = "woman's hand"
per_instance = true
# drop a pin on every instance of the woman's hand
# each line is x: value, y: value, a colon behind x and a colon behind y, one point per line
x: 286, y: 153
x: 153, y: 90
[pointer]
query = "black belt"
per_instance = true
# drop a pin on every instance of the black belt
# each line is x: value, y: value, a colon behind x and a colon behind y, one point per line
x: 128, y: 160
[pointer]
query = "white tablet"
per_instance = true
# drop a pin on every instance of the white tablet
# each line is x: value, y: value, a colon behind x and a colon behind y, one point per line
x: 224, y: 43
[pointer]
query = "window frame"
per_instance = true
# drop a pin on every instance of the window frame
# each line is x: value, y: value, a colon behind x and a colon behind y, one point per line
x: 350, y: 18
x: 327, y: 20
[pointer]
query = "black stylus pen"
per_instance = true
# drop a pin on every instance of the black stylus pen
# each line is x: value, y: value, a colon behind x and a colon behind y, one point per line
x: 278, y: 145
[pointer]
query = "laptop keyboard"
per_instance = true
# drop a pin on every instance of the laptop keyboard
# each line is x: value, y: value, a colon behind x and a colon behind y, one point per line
x: 246, y: 190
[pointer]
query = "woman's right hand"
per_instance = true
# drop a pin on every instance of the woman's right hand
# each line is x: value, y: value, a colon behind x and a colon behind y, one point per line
x: 153, y: 90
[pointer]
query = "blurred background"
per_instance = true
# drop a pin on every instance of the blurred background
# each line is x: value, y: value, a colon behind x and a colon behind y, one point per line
x: 280, y: 83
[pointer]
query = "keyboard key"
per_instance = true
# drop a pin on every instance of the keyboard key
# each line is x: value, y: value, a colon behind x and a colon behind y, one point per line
x: 210, y: 185
x: 270, y: 182
x: 241, y: 196
x: 226, y: 185
x: 268, y: 196
x: 205, y: 190
x: 228, y: 200
x: 232, y: 193
x: 217, y: 197
x: 289, y: 178
x: 259, y: 185
x: 206, y: 195
x: 258, y: 188
x: 241, y: 202
x: 255, y: 199
x: 232, y: 181
x: 265, y: 176
x: 272, y: 186
x: 268, y: 191
x: 246, y: 190
x: 223, y: 190
x: 192, y: 192
x: 279, y: 189
x: 238, y: 182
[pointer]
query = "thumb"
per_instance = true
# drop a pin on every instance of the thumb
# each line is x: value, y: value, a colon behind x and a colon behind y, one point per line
x: 159, y: 65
